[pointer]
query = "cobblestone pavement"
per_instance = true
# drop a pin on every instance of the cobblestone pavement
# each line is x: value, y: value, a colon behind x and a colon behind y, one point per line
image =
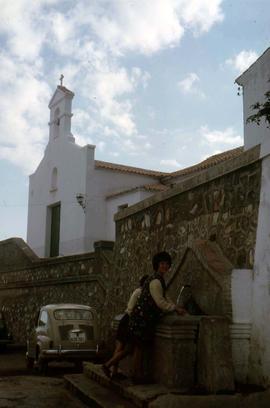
x: 35, y: 392
x: 22, y: 388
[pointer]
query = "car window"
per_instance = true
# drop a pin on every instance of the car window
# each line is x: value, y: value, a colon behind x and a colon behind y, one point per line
x: 43, y: 318
x: 73, y: 314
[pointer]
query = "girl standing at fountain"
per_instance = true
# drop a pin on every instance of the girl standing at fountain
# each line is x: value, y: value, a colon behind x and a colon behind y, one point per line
x: 122, y: 334
x: 151, y: 303
x: 145, y: 315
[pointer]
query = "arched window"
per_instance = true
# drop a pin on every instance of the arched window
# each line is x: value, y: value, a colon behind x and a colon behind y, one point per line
x: 54, y: 180
x: 56, y: 121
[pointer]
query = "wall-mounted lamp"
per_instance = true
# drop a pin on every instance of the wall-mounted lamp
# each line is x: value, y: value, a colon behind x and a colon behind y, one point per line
x: 81, y: 200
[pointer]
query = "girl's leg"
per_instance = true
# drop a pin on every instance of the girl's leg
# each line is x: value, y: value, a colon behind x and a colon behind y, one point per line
x: 119, y: 356
x: 119, y: 346
x: 105, y: 366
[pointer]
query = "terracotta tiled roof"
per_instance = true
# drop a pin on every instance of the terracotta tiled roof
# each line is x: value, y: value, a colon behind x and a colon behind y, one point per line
x: 147, y: 187
x: 209, y: 162
x: 128, y: 169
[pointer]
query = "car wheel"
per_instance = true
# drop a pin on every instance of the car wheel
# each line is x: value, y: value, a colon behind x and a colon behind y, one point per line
x: 41, y: 364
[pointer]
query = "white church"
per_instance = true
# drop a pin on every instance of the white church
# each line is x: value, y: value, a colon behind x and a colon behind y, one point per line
x: 73, y: 197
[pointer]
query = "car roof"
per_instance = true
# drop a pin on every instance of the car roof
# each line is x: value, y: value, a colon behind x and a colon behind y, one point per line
x: 65, y: 306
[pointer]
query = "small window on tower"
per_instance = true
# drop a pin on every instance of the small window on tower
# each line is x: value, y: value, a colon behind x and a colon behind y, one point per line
x: 56, y: 122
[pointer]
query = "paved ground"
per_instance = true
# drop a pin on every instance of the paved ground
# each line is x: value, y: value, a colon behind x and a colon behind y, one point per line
x: 35, y: 392
x: 22, y: 388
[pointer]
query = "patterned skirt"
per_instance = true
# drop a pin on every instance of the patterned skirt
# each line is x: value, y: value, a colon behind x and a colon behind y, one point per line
x: 122, y: 333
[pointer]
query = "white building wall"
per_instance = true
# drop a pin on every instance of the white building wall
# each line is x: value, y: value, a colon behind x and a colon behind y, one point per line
x: 70, y: 161
x: 259, y: 369
x: 100, y: 183
x: 242, y: 294
x: 255, y: 82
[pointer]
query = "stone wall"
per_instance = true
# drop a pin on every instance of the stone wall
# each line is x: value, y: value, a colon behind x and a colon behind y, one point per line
x: 28, y: 282
x: 220, y: 204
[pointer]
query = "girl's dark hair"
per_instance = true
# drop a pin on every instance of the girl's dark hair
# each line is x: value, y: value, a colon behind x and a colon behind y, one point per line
x: 161, y: 257
x: 142, y: 280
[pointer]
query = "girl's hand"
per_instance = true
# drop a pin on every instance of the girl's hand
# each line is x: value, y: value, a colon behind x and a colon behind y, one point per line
x: 181, y: 311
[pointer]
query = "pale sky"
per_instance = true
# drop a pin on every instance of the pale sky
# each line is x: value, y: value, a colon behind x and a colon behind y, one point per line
x: 153, y: 82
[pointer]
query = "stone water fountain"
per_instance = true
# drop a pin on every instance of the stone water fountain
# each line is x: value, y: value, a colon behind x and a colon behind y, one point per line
x: 196, y: 350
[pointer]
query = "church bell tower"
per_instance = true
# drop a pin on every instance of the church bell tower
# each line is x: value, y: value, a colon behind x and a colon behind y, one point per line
x: 60, y: 114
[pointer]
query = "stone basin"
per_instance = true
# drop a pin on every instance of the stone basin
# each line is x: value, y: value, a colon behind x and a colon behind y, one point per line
x: 190, y: 350
x: 174, y: 353
x: 172, y: 359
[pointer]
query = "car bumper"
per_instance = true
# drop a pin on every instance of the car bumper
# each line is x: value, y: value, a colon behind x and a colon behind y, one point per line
x: 68, y: 354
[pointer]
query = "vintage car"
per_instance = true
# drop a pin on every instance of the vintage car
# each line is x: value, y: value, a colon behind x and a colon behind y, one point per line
x: 5, y: 336
x: 63, y: 332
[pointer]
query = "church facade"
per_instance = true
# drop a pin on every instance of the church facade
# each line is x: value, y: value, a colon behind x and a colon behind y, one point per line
x: 72, y: 196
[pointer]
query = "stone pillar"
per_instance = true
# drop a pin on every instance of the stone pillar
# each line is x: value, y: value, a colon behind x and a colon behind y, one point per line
x: 215, y: 366
x: 102, y: 248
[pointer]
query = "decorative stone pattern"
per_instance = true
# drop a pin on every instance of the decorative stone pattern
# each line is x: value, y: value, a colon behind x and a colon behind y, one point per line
x: 30, y: 283
x: 223, y: 210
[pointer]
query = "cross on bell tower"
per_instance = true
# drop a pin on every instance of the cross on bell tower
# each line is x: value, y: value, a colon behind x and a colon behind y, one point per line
x: 61, y: 79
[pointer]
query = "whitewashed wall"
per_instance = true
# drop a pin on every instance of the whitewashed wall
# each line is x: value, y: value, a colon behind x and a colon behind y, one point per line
x: 70, y: 161
x: 259, y: 370
x: 100, y: 183
x: 255, y: 84
x: 242, y: 293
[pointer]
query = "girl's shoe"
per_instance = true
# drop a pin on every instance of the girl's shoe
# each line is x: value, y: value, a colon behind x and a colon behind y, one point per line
x: 106, y: 371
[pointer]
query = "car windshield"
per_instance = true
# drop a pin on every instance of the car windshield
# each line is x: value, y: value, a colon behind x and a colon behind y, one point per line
x: 73, y: 314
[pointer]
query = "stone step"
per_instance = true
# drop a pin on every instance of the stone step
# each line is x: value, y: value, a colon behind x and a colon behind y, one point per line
x: 93, y: 394
x: 101, y: 393
x: 139, y: 395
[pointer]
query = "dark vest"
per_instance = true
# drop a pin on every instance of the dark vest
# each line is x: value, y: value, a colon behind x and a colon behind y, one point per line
x: 146, y: 313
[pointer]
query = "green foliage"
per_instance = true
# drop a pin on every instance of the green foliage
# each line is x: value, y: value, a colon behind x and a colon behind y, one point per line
x: 263, y: 111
